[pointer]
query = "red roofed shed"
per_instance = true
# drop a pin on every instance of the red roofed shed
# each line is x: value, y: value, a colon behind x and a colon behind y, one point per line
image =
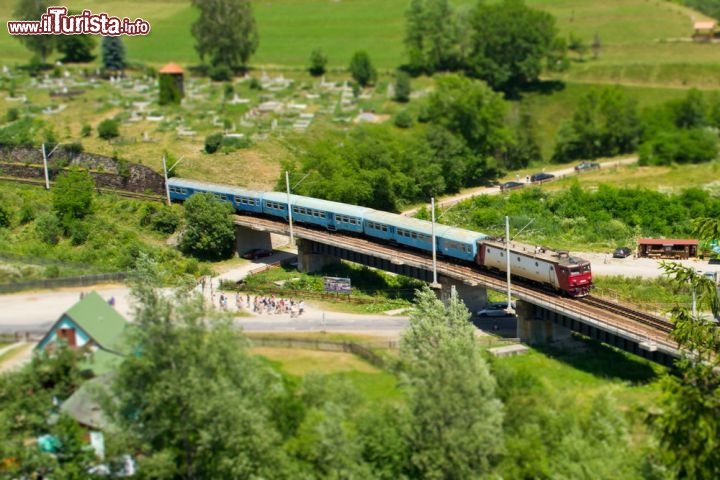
x: 667, y: 248
x: 172, y: 68
x: 171, y: 84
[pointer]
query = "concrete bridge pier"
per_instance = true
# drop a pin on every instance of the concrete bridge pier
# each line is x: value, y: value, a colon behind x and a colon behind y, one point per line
x: 309, y: 262
x: 473, y: 296
x: 535, y: 328
x: 248, y: 238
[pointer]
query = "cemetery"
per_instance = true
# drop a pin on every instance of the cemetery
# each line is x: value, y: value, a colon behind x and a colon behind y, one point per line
x: 256, y: 111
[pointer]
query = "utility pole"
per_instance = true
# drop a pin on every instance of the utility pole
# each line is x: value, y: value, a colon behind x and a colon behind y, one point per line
x: 435, y: 283
x: 165, y: 174
x: 507, y: 257
x: 289, y: 207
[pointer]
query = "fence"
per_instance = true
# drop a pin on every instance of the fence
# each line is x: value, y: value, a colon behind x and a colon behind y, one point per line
x: 364, y: 351
x: 81, y: 281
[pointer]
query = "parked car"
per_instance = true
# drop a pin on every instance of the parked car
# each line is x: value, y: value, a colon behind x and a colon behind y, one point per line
x: 510, y: 185
x: 497, y: 309
x: 622, y: 252
x: 586, y: 166
x: 714, y: 261
x: 256, y: 253
x: 541, y: 177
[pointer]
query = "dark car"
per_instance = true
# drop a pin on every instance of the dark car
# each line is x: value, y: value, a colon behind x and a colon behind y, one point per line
x: 256, y: 253
x: 497, y: 309
x: 622, y: 252
x: 586, y: 166
x: 510, y: 185
x: 541, y: 177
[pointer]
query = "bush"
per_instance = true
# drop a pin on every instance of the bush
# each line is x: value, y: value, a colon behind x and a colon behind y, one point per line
x: 86, y: 130
x: 220, y: 73
x: 318, y: 62
x: 404, y: 119
x: 255, y: 84
x: 212, y: 142
x: 12, y: 115
x: 72, y: 149
x: 108, y: 129
x: 5, y: 216
x: 79, y: 232
x: 27, y: 213
x: 47, y: 229
x: 234, y: 143
x: 402, y: 87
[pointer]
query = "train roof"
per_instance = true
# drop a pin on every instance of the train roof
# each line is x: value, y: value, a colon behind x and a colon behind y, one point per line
x: 560, y: 257
x: 407, y: 223
x: 462, y: 235
x: 213, y: 187
x: 328, y: 205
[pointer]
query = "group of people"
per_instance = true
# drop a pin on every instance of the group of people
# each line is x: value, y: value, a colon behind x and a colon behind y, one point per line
x: 259, y: 304
x: 277, y: 306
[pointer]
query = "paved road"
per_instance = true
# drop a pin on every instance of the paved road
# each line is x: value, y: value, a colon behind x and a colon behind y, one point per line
x: 560, y: 172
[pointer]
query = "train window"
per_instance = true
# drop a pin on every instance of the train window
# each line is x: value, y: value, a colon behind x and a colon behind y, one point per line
x: 183, y: 190
x: 518, y: 258
x: 537, y: 264
x: 502, y: 254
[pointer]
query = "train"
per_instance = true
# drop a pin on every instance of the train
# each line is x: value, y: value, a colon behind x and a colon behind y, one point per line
x: 566, y: 274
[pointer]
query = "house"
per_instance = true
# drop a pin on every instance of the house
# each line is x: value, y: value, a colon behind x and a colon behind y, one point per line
x: 669, y: 248
x: 704, y: 31
x: 93, y: 325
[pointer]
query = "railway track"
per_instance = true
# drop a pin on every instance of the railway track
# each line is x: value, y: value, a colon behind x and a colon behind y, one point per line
x: 121, y: 193
x: 612, y: 314
x: 656, y: 323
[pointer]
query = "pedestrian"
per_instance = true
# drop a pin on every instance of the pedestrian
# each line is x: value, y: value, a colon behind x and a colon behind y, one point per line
x: 301, y: 307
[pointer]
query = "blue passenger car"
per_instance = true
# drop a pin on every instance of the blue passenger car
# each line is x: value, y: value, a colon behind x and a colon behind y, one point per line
x: 275, y: 204
x: 402, y: 230
x: 458, y: 243
x: 242, y: 199
x: 331, y: 215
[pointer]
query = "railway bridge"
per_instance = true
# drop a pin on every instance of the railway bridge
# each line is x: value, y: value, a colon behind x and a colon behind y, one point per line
x: 542, y: 316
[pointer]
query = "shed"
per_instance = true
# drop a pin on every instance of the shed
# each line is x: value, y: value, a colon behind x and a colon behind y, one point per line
x: 669, y: 248
x: 92, y: 324
x: 172, y: 88
x: 704, y: 30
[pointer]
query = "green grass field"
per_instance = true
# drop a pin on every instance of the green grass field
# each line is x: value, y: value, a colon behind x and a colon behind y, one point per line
x: 642, y: 41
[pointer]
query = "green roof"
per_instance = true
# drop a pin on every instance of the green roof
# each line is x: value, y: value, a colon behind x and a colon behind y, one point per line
x: 99, y: 320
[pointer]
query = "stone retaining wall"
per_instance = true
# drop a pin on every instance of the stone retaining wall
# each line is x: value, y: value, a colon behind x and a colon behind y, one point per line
x: 27, y: 162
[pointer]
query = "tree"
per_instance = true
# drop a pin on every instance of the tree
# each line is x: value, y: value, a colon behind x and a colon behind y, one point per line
x: 318, y: 62
x: 26, y: 400
x: 402, y: 87
x: 509, y: 43
x: 209, y: 231
x: 113, y: 54
x: 108, y: 129
x: 72, y: 196
x: 605, y: 123
x: 689, y: 421
x: 76, y: 48
x: 42, y: 45
x: 471, y: 110
x: 361, y: 69
x: 225, y: 32
x: 455, y: 415
x: 192, y: 401
x: 432, y: 36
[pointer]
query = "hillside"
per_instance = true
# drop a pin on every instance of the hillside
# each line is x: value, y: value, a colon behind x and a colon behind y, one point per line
x: 641, y: 42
